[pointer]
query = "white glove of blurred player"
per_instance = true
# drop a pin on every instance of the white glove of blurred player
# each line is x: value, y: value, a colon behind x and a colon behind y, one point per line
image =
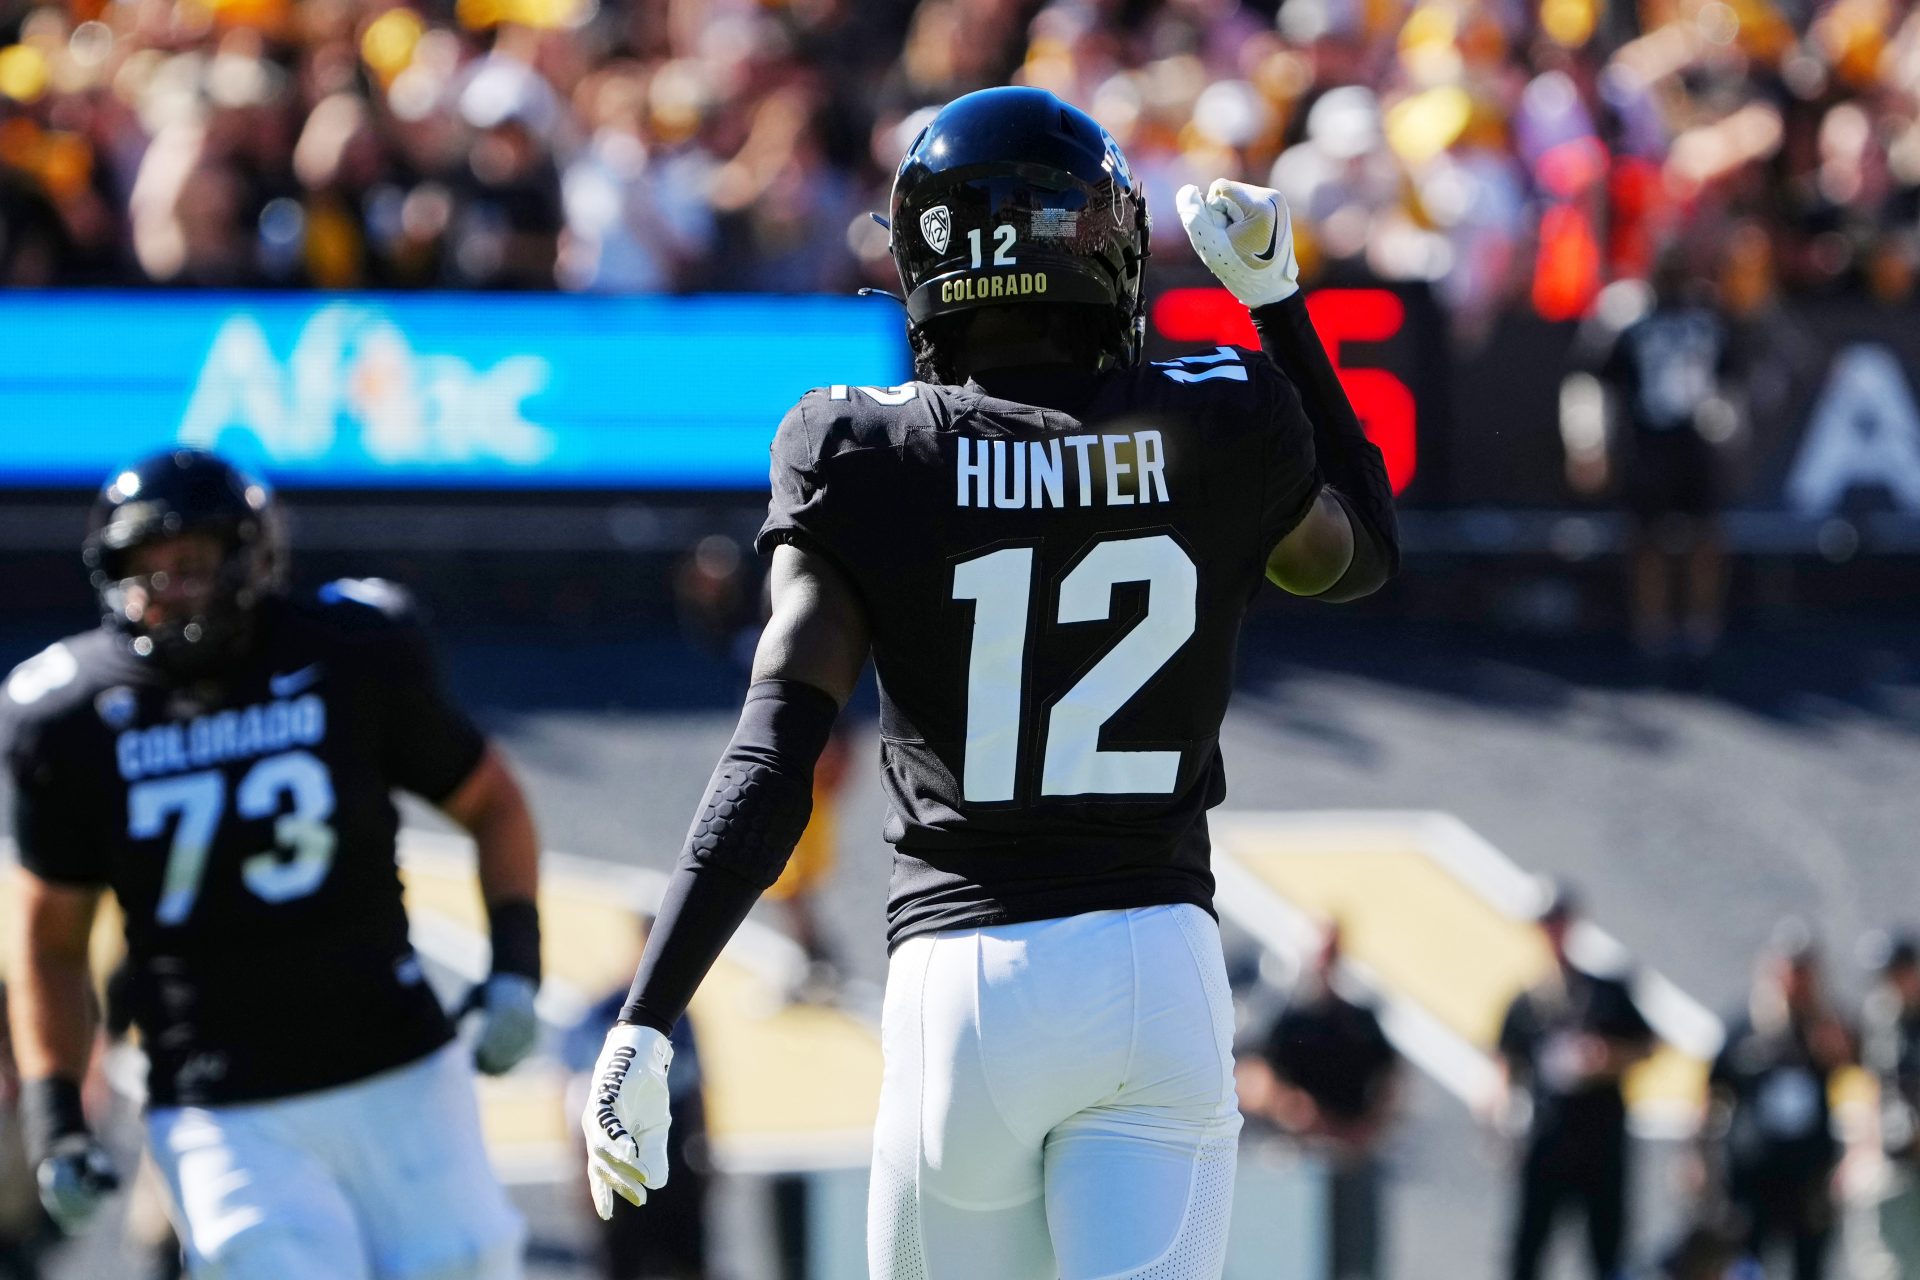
x: 626, y: 1117
x: 75, y: 1178
x: 509, y: 1027
x: 1245, y: 236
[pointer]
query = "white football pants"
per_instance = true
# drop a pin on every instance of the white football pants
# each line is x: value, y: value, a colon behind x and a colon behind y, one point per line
x: 381, y: 1179
x: 1057, y: 1102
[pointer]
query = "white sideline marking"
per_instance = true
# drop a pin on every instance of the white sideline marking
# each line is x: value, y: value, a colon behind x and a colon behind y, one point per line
x: 1284, y: 928
x: 1675, y: 1016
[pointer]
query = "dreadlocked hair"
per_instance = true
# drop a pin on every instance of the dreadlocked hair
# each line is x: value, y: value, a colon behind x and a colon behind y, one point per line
x: 1092, y: 337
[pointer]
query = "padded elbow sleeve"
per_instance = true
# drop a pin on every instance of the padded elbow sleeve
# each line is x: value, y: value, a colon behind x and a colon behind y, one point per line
x: 757, y: 805
x: 761, y: 794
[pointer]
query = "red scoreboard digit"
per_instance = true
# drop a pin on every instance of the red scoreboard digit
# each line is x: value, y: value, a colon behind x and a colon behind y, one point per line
x: 1384, y: 403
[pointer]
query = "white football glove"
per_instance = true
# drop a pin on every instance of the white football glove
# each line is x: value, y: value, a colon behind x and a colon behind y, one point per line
x: 626, y: 1117
x: 75, y: 1176
x: 509, y: 1027
x: 1245, y: 236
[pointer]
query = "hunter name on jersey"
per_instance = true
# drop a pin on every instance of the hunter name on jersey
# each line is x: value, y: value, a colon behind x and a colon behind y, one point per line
x: 233, y: 734
x: 1016, y: 474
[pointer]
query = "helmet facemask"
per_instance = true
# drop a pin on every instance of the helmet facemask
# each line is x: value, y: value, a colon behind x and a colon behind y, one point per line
x: 213, y: 623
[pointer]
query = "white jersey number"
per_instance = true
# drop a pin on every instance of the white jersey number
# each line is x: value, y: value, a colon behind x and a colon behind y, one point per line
x: 198, y: 800
x: 1072, y: 762
x: 1004, y: 238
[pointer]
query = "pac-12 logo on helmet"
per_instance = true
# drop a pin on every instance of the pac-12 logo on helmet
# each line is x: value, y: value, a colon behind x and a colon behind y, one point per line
x: 936, y: 224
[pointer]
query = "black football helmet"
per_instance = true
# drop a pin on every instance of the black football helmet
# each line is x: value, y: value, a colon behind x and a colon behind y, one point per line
x: 1012, y: 196
x: 187, y: 491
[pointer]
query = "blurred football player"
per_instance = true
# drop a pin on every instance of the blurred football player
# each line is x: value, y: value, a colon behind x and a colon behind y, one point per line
x: 1566, y: 1044
x: 222, y: 756
x: 1047, y: 548
x: 1889, y: 1242
x: 1325, y: 1074
x: 1767, y: 1144
x: 1674, y: 376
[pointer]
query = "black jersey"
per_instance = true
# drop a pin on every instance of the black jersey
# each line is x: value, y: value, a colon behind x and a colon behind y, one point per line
x: 1333, y: 1050
x: 1054, y: 573
x: 1540, y: 1040
x: 1781, y: 1126
x: 246, y: 826
x: 1667, y: 365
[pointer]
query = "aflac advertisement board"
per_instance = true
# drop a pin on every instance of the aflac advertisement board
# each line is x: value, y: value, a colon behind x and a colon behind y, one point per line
x: 467, y: 391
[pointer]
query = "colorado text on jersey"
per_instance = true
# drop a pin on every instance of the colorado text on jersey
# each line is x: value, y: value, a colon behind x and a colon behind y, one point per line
x: 233, y: 734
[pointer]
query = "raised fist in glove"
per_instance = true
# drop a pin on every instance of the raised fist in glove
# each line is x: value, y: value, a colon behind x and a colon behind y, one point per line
x: 626, y: 1117
x: 1245, y: 236
x: 75, y: 1178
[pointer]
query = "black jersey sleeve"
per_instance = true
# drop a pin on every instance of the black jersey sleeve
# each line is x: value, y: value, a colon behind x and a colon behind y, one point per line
x: 1518, y: 1033
x: 1725, y: 1072
x: 430, y: 744
x: 56, y: 813
x: 802, y: 508
x: 1615, y: 1014
x: 797, y: 489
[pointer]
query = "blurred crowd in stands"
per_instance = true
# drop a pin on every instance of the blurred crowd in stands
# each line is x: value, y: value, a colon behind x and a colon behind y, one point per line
x: 1512, y: 152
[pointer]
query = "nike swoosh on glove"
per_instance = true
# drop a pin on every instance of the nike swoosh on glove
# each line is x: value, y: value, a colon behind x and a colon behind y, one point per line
x: 1244, y: 234
x: 626, y: 1117
x: 75, y: 1178
x: 509, y: 1027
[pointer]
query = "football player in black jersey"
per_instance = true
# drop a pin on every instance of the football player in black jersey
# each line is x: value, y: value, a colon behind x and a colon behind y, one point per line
x: 1047, y: 549
x: 222, y: 756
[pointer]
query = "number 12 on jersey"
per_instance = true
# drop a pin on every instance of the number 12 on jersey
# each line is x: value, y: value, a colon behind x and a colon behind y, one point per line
x: 1072, y: 763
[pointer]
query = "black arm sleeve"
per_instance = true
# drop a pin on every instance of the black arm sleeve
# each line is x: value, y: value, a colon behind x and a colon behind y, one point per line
x: 1293, y: 478
x: 757, y: 804
x: 1348, y: 460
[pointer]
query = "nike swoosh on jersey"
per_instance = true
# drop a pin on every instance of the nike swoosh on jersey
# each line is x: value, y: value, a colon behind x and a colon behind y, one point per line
x: 1273, y: 237
x: 289, y: 683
